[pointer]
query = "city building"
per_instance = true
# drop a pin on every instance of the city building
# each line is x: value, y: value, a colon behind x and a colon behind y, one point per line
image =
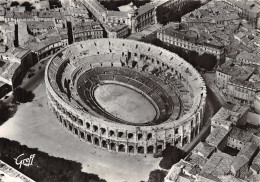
x: 248, y: 9
x: 121, y: 60
x: 136, y: 18
x: 191, y: 39
x: 15, y: 64
x: 87, y: 30
x: 238, y: 138
x: 218, y: 164
x: 116, y: 30
x: 218, y: 138
x: 38, y: 27
x: 203, y: 149
x: 226, y: 118
x: 240, y: 165
x: 255, y: 167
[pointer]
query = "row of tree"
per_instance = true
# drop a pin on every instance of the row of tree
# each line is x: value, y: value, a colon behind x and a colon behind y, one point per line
x: 114, y: 4
x: 167, y: 14
x: 28, y: 6
x: 44, y: 168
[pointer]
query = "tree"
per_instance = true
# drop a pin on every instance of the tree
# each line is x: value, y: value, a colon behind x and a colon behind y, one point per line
x: 157, y: 42
x: 28, y: 6
x: 43, y: 164
x: 167, y: 14
x: 157, y: 176
x: 21, y: 95
x: 14, y: 3
x: 171, y: 155
x: 55, y: 4
x: 6, y: 111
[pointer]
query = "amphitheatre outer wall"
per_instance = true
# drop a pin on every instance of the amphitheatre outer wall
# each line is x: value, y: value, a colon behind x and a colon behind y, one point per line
x: 74, y: 115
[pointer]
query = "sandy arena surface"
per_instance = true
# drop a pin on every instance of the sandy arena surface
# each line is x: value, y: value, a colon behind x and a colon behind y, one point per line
x: 35, y: 126
x: 113, y: 98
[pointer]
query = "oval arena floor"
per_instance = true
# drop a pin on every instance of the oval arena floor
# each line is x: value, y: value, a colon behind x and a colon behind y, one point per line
x: 125, y: 103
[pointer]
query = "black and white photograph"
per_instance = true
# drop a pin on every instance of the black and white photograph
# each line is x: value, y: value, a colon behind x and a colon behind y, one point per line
x: 129, y: 90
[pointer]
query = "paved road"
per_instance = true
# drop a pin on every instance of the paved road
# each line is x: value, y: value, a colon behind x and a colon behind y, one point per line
x: 31, y: 83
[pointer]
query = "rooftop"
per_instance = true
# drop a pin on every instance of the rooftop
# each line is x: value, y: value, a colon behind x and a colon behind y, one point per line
x: 115, y: 27
x: 252, y: 57
x: 36, y: 46
x: 40, y: 24
x: 256, y: 163
x: 216, y: 136
x: 203, y: 149
x: 237, y: 71
x: 218, y: 164
x: 222, y: 117
x: 197, y: 159
x: 240, y: 135
x: 191, y: 34
x: 249, y: 5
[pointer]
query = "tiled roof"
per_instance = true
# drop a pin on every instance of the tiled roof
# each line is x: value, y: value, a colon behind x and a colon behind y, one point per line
x: 117, y: 14
x: 239, y: 162
x: 216, y: 136
x: 218, y: 164
x: 40, y: 24
x: 36, y: 46
x: 198, y: 160
x: 236, y: 71
x: 248, y: 150
x: 256, y: 163
x: 240, y: 135
x: 245, y: 83
x: 203, y: 149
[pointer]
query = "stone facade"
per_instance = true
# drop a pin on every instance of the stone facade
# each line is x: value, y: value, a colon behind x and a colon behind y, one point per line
x: 113, y: 136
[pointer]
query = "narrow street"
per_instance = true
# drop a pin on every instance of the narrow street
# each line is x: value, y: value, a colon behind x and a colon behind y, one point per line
x: 212, y: 106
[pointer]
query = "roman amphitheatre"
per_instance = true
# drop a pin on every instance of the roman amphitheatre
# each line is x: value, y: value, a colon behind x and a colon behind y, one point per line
x: 125, y: 96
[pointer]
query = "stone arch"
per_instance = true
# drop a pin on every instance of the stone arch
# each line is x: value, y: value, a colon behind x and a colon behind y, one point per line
x: 95, y: 128
x: 176, y: 131
x: 140, y: 150
x: 70, y: 127
x: 149, y: 136
x: 113, y: 146
x: 76, y: 131
x: 111, y: 133
x: 139, y: 136
x: 121, y: 134
x: 103, y: 131
x: 121, y: 148
x: 60, y: 118
x: 80, y: 122
x: 65, y: 123
x: 150, y: 149
x: 89, y: 138
x: 82, y: 135
x: 159, y: 148
x: 131, y: 149
x: 96, y: 141
x: 104, y: 143
x: 130, y: 136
